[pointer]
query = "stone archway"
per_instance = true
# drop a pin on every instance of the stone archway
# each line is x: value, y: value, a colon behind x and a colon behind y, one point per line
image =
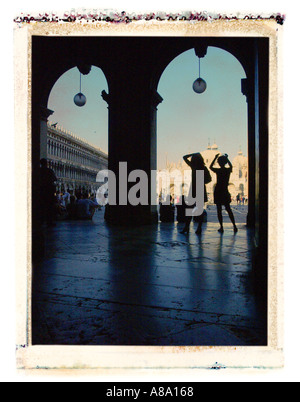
x: 133, y: 67
x: 253, y: 54
x: 237, y: 50
x: 193, y: 126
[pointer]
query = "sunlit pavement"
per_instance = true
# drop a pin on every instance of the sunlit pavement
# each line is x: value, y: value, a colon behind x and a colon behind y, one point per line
x: 101, y: 285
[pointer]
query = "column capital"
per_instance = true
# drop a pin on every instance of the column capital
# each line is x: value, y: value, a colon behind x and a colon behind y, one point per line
x: 245, y: 87
x: 106, y: 97
x: 156, y: 99
x: 45, y: 113
x: 85, y: 69
x: 201, y: 50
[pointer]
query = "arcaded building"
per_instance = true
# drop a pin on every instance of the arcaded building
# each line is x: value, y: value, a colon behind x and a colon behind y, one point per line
x: 75, y: 162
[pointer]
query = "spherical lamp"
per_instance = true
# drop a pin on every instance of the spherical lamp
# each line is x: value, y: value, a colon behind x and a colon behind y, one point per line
x: 199, y: 86
x: 79, y: 99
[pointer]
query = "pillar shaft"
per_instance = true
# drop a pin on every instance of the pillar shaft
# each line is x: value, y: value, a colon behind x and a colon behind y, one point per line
x: 132, y: 139
x: 45, y: 114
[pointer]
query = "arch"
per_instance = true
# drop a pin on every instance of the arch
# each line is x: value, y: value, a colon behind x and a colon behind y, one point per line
x: 252, y: 54
x: 160, y: 73
x: 93, y: 117
x: 200, y: 45
x: 150, y: 57
x: 148, y: 63
x: 184, y: 88
x: 67, y: 64
x: 59, y: 73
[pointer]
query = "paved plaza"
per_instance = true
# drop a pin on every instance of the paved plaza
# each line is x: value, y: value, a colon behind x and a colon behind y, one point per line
x: 150, y: 285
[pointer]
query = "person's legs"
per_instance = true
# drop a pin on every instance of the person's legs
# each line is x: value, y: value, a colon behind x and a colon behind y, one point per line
x: 188, y: 220
x: 201, y: 218
x: 220, y: 217
x: 231, y: 216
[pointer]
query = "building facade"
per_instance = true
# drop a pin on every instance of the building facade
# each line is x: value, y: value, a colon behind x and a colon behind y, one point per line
x: 238, y: 184
x: 75, y: 162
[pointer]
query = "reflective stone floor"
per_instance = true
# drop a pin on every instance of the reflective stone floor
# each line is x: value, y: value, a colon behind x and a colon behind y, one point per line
x: 101, y: 285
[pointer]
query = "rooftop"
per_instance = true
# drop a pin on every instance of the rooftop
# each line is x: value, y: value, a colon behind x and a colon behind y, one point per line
x: 68, y: 134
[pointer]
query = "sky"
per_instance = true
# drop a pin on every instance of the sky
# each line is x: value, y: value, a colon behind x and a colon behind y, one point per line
x: 89, y: 122
x: 186, y: 121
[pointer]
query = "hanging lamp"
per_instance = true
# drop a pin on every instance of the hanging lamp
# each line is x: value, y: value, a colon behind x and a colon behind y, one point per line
x: 199, y: 85
x: 80, y: 99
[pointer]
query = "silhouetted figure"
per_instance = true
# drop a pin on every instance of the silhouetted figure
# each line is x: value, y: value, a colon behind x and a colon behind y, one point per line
x: 86, y: 208
x: 60, y: 207
x: 78, y: 194
x: 66, y: 198
x: 167, y: 210
x: 221, y: 193
x: 107, y: 212
x: 196, y: 162
x: 72, y: 208
x: 47, y: 182
x: 204, y: 218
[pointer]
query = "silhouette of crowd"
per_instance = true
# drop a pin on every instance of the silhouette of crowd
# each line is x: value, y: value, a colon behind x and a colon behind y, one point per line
x: 67, y: 204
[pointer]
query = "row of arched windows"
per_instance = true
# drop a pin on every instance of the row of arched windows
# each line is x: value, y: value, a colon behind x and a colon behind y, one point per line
x: 70, y: 172
x: 65, y: 152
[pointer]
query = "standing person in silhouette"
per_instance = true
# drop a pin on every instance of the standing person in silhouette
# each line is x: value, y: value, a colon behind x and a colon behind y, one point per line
x: 221, y: 194
x: 47, y: 193
x: 196, y: 162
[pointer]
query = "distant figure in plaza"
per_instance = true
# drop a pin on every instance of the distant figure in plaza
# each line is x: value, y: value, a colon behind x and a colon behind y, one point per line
x: 86, y: 208
x: 221, y: 194
x: 66, y: 198
x: 47, y: 183
x: 72, y: 196
x: 196, y: 162
x: 167, y: 210
x: 72, y: 208
x: 78, y: 193
x: 60, y: 208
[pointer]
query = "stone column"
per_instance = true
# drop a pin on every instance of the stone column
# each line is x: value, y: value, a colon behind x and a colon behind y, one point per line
x: 248, y: 91
x: 45, y: 114
x: 132, y: 139
x: 156, y: 100
x: 262, y: 162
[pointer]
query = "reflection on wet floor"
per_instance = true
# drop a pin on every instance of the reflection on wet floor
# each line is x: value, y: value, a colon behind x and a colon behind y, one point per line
x: 151, y: 285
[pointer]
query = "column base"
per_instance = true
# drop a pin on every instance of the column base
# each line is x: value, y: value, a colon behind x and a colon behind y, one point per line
x: 130, y: 216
